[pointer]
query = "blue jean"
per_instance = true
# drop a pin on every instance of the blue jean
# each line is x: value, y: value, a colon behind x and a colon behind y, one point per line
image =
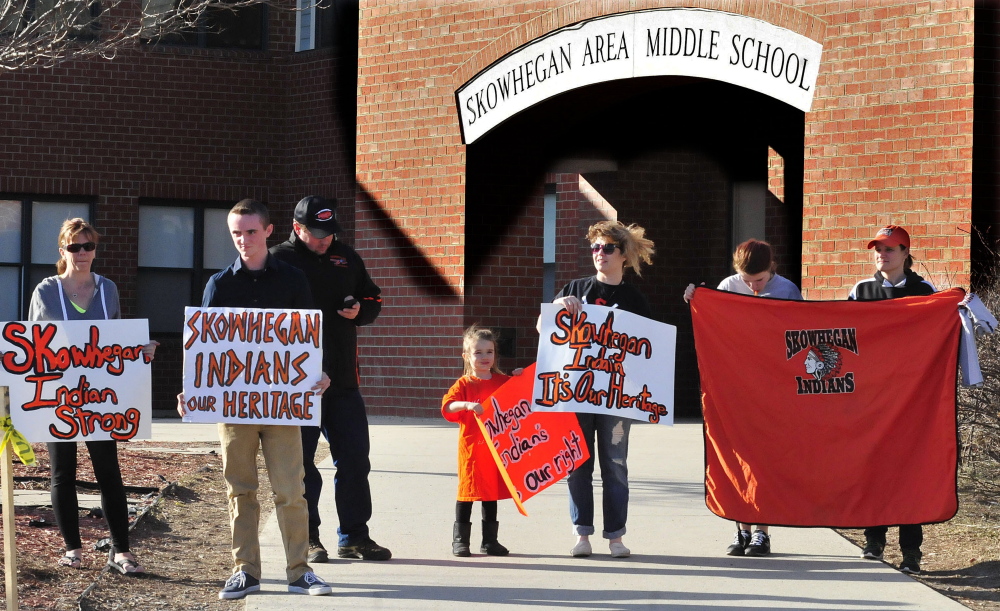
x: 612, y: 452
x: 344, y: 424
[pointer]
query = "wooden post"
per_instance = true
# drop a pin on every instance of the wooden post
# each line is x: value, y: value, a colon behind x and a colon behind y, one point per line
x: 7, y: 477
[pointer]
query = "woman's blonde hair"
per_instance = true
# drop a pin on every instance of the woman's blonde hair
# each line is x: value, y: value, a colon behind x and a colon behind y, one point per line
x: 68, y: 232
x: 472, y: 336
x: 635, y: 246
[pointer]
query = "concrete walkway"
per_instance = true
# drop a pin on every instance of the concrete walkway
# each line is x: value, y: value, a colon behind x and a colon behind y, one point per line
x: 677, y: 545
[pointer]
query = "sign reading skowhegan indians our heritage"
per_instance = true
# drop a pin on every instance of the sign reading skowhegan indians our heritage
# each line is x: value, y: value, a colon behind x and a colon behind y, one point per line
x: 77, y: 380
x: 252, y: 365
x: 701, y: 43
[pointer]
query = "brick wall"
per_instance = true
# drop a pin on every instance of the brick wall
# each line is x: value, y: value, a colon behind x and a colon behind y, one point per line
x: 411, y: 167
x: 170, y: 122
x: 889, y: 140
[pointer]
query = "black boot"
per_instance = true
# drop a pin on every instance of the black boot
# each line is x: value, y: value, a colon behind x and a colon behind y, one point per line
x: 460, y: 534
x: 490, y: 545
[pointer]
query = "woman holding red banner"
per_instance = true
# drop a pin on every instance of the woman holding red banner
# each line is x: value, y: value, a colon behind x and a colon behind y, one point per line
x: 614, y: 248
x: 755, y: 275
x: 894, y: 277
x: 77, y: 293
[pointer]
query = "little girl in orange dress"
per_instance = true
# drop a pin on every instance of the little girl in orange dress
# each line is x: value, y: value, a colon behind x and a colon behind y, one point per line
x: 478, y: 476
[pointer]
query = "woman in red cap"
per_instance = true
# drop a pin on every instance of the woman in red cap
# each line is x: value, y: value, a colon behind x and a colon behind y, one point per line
x: 894, y: 277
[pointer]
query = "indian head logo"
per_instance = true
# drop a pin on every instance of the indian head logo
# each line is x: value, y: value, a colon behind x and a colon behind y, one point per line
x: 823, y: 359
x: 324, y: 215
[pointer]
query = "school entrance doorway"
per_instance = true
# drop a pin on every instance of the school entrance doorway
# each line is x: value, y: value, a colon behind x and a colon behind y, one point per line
x: 702, y: 165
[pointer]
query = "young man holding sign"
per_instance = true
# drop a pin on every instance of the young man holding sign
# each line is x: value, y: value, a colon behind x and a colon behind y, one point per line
x: 258, y: 280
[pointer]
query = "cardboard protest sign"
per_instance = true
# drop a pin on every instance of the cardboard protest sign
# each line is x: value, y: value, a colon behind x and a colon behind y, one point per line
x: 77, y: 380
x: 252, y: 365
x: 533, y: 450
x: 607, y: 361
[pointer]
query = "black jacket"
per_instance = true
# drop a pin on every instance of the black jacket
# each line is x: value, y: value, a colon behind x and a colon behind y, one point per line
x: 872, y: 289
x: 332, y: 276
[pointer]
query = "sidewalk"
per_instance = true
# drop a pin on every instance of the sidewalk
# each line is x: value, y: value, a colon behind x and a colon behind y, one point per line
x: 678, y: 546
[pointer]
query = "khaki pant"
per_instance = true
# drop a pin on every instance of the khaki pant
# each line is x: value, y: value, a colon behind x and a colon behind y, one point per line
x: 282, y: 447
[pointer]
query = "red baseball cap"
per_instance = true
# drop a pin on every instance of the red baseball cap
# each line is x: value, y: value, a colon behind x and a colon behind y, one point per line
x: 891, y: 235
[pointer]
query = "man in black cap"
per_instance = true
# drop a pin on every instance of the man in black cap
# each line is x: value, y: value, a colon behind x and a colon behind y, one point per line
x: 345, y: 292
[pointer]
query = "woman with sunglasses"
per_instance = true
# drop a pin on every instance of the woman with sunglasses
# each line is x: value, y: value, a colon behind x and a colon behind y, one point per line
x: 614, y: 247
x: 77, y: 293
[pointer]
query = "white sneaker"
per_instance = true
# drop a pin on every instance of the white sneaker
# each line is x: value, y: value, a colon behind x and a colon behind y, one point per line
x: 582, y: 549
x: 618, y: 550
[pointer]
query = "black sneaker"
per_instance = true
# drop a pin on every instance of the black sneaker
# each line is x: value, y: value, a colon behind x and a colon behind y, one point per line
x: 873, y: 549
x: 310, y: 584
x: 910, y: 563
x: 239, y: 585
x: 317, y: 553
x: 369, y: 550
x: 760, y: 544
x: 740, y: 543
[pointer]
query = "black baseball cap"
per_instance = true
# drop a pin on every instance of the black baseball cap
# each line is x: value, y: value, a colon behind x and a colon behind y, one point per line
x: 318, y: 214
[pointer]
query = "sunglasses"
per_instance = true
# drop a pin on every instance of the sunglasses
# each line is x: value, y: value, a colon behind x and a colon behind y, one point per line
x: 75, y: 248
x: 607, y: 248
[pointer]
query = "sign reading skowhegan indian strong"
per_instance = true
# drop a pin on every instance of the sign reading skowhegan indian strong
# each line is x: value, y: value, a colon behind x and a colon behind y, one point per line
x: 683, y: 42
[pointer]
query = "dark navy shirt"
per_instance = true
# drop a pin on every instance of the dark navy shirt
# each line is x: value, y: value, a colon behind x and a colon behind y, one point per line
x: 278, y: 285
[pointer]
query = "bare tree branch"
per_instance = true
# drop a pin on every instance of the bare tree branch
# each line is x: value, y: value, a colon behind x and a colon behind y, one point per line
x: 45, y: 33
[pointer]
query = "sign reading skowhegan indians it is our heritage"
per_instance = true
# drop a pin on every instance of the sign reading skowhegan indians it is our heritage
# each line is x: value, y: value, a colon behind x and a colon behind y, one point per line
x: 605, y: 361
x: 708, y: 44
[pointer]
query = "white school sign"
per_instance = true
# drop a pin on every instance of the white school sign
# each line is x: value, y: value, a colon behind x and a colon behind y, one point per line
x: 701, y: 43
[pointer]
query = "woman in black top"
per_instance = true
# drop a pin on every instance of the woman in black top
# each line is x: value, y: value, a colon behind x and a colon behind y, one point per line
x: 614, y: 248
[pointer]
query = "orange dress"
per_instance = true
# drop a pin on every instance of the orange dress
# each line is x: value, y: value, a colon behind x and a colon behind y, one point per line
x: 478, y: 476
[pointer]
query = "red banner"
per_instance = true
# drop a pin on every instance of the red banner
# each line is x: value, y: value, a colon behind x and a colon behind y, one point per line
x: 829, y: 413
x: 533, y: 450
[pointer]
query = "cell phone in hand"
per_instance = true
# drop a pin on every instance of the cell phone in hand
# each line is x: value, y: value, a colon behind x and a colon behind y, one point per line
x: 349, y: 303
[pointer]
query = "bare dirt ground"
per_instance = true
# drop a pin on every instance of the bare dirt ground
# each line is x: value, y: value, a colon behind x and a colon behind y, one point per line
x: 183, y: 540
x: 961, y: 557
x: 181, y: 536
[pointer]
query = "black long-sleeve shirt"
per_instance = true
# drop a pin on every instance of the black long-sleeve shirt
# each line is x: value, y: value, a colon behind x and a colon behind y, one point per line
x: 333, y: 275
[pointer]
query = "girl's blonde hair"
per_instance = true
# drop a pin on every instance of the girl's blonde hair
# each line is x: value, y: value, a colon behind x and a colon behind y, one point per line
x: 635, y: 246
x: 472, y: 336
x: 68, y: 232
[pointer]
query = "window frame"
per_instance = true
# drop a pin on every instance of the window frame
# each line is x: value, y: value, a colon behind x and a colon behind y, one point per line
x: 198, y: 274
x: 26, y: 266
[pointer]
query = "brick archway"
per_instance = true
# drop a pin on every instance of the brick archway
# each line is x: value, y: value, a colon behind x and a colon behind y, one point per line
x: 880, y: 146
